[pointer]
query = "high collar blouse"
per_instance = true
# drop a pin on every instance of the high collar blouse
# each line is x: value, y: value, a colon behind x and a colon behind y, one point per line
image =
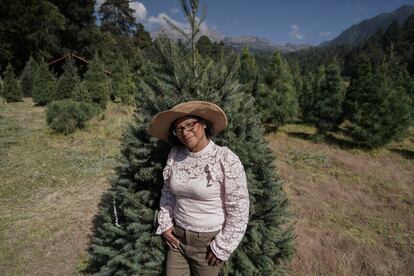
x: 206, y: 191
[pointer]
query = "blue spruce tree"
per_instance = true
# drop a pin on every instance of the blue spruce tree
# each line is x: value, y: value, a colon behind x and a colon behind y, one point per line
x: 125, y: 242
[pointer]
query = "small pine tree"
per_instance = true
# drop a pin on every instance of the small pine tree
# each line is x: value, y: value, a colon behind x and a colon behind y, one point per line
x: 279, y: 102
x: 66, y: 116
x: 68, y: 81
x: 140, y: 67
x: 96, y: 82
x: 81, y: 93
x: 307, y: 98
x: 249, y: 72
x: 377, y: 107
x: 11, y: 88
x: 44, y: 85
x: 328, y: 101
x: 27, y: 76
x: 297, y: 84
x: 317, y: 79
x: 400, y: 77
x: 123, y: 85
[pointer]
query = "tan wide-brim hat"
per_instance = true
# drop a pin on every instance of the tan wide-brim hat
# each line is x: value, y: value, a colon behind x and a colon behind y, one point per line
x: 161, y: 123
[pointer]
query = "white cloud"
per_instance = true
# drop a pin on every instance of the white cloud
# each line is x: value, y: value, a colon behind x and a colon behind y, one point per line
x: 140, y: 12
x: 295, y: 32
x: 154, y: 22
x: 325, y: 33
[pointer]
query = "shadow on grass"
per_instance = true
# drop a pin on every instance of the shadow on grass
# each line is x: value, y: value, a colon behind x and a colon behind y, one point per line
x: 407, y: 154
x: 328, y: 138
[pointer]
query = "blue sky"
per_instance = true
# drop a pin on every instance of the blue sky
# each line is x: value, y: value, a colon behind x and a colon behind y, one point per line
x: 280, y: 21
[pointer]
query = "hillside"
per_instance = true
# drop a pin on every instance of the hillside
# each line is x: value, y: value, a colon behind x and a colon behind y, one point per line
x: 354, y: 209
x: 368, y: 27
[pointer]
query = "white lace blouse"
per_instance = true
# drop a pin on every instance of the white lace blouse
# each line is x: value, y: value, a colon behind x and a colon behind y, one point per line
x: 204, y: 192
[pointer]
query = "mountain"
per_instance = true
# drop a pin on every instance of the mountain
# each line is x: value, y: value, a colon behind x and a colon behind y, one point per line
x: 171, y: 33
x: 366, y: 28
x: 258, y: 44
x: 255, y: 44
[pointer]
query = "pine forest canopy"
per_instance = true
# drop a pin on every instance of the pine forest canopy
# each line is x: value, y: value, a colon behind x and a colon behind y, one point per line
x: 47, y: 29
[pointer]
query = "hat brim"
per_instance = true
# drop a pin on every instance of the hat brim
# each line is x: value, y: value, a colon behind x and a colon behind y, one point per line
x: 161, y: 123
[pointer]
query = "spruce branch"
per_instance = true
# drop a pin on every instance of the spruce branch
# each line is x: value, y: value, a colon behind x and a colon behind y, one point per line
x: 191, y: 9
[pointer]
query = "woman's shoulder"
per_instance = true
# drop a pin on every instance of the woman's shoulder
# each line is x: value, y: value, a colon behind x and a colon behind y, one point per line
x: 226, y: 154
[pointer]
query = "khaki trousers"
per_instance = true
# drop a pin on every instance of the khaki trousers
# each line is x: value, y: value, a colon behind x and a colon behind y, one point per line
x: 190, y: 257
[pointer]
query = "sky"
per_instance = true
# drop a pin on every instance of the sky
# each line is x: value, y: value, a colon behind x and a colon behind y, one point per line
x: 280, y: 21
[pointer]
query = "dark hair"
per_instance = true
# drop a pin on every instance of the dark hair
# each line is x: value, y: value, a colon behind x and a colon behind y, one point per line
x: 209, y: 130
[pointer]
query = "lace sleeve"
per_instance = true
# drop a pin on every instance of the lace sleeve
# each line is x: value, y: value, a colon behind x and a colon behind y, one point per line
x: 167, y: 201
x: 236, y: 204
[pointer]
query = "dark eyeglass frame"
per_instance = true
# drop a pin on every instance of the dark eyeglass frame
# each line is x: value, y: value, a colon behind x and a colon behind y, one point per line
x: 188, y: 127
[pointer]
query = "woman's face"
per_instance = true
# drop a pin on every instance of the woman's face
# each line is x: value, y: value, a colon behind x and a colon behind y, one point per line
x: 191, y: 133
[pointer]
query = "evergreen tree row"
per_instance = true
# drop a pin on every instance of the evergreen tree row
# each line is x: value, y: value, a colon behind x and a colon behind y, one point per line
x: 70, y: 96
x: 376, y: 108
x: 322, y: 97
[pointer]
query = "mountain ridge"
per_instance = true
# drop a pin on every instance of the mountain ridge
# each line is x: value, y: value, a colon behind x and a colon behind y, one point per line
x: 350, y: 36
x: 357, y: 33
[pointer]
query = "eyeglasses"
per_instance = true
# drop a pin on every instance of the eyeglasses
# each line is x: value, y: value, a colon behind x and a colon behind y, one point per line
x: 189, y: 127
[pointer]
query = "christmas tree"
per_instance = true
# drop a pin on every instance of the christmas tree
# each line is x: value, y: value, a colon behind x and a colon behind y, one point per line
x: 279, y: 102
x: 306, y: 98
x: 44, y: 85
x: 125, y: 240
x: 249, y: 72
x: 27, y: 77
x: 96, y: 82
x: 81, y: 93
x: 328, y: 100
x: 123, y: 85
x: 11, y: 88
x: 377, y: 104
x: 68, y: 81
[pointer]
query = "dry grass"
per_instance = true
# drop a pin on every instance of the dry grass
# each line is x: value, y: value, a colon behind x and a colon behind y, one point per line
x: 354, y: 208
x: 51, y: 185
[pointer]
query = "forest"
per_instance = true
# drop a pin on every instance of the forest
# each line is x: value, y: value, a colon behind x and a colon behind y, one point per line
x: 58, y: 54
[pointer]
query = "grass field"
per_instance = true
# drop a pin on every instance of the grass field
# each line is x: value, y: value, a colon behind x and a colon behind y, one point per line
x: 354, y: 209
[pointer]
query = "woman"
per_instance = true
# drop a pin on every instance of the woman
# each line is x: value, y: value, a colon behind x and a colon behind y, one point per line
x: 204, y: 206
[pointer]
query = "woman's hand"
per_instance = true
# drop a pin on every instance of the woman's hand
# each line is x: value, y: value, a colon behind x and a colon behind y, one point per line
x: 212, y: 260
x: 170, y: 239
